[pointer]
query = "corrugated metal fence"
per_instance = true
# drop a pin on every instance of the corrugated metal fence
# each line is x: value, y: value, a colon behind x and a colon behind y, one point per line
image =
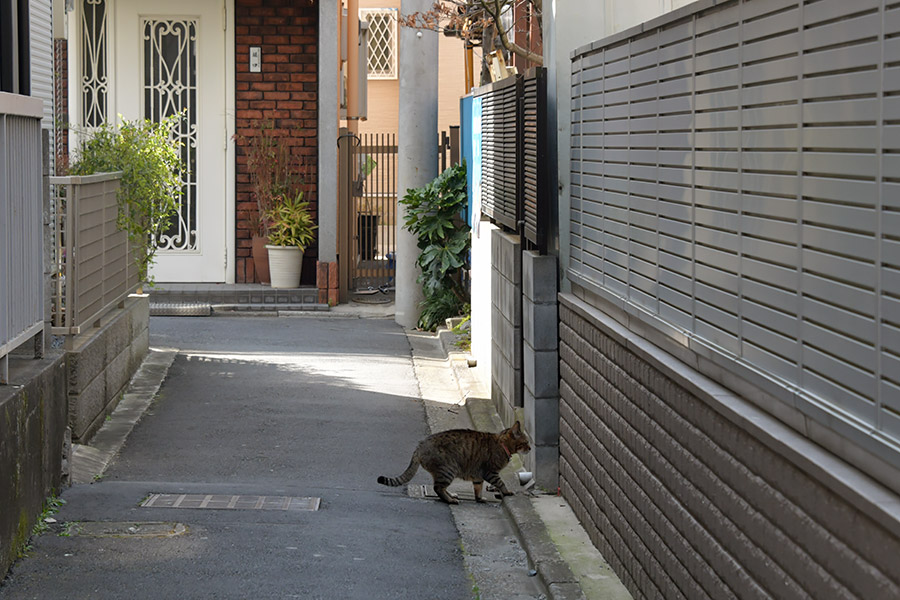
x: 21, y: 242
x: 736, y: 183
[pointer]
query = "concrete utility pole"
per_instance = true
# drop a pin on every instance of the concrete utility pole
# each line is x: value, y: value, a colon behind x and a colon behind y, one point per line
x: 417, y: 148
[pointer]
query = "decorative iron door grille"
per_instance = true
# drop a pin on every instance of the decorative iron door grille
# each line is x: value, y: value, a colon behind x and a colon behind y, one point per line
x: 170, y: 87
x: 94, y: 76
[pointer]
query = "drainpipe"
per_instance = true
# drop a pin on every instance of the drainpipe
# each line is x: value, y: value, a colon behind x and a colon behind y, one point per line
x: 353, y: 66
x: 417, y: 148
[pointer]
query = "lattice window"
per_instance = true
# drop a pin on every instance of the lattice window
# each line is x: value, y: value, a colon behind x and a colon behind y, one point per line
x: 382, y: 41
x: 94, y: 76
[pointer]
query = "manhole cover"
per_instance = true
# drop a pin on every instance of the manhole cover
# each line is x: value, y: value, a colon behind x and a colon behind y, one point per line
x: 127, y: 529
x: 226, y: 502
x: 463, y: 491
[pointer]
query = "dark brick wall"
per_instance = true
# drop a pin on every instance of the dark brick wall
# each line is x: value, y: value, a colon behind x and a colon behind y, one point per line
x: 61, y: 105
x: 285, y: 92
x: 684, y: 503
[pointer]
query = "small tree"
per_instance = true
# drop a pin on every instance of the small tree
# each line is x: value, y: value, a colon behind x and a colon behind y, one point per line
x: 275, y: 173
x: 434, y: 215
x: 150, y: 161
x: 480, y: 23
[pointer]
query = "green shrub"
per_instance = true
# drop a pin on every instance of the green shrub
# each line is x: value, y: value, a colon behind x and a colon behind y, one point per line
x: 434, y: 215
x: 152, y: 172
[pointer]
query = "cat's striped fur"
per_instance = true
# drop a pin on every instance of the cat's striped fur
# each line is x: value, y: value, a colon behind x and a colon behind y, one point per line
x: 475, y: 456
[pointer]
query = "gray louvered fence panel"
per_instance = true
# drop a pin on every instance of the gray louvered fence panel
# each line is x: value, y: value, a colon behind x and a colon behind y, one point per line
x: 736, y: 176
x: 97, y: 258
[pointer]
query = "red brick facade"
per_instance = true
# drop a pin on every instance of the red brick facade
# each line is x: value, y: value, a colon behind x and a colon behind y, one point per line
x: 285, y: 93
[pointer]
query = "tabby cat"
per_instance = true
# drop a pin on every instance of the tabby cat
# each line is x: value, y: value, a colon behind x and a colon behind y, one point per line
x: 475, y: 456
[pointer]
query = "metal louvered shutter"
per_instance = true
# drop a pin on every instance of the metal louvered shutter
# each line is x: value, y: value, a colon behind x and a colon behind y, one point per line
x: 534, y: 143
x: 500, y: 156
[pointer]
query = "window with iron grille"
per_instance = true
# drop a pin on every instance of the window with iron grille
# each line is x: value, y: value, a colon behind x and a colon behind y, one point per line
x: 382, y: 41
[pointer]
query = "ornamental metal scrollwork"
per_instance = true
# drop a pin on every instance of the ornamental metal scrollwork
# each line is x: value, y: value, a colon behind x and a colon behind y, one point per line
x: 170, y: 87
x: 94, y: 75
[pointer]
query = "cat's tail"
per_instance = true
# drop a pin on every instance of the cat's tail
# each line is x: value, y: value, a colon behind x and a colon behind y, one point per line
x: 405, y: 476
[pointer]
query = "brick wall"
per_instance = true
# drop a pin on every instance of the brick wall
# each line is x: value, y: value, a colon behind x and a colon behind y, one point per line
x: 691, y: 492
x: 61, y: 105
x: 283, y: 93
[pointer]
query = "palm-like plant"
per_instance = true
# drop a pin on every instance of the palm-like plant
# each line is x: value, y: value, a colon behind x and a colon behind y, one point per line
x: 290, y: 222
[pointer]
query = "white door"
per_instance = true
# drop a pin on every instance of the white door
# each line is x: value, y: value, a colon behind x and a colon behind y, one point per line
x: 171, y: 56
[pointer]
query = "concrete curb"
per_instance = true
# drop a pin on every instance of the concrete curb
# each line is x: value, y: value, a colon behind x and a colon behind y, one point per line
x: 554, y: 573
x: 90, y: 461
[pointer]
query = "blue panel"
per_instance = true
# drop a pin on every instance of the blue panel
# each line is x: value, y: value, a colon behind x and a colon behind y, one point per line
x: 470, y: 148
x: 465, y: 147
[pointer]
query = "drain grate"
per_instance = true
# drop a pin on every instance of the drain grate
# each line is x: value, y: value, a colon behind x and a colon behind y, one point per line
x: 226, y: 502
x: 462, y: 491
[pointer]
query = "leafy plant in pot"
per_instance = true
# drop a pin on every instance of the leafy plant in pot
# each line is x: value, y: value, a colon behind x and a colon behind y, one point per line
x: 274, y: 173
x: 291, y: 230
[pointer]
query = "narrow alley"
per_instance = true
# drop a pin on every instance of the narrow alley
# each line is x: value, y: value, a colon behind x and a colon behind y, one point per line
x: 261, y: 406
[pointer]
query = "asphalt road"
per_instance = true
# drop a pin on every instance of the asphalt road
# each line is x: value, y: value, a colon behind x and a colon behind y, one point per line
x: 305, y: 407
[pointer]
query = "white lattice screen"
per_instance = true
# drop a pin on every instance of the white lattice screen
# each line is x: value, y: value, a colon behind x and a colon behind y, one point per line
x: 382, y: 41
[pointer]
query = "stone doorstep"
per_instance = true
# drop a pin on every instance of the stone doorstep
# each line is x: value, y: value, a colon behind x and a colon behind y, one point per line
x: 232, y: 295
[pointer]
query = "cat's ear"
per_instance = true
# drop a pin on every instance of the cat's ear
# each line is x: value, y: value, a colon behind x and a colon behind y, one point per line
x: 516, y: 428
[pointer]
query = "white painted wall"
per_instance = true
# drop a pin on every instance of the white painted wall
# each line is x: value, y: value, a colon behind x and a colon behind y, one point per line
x: 481, y: 300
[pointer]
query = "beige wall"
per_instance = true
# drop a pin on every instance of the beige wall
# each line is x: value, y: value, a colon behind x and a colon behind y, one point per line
x: 384, y: 94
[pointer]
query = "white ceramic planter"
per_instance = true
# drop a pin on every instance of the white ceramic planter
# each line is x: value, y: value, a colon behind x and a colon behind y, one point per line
x: 285, y: 263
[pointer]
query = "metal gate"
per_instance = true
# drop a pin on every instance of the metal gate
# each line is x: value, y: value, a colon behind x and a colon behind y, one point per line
x: 368, y: 213
x: 371, y: 173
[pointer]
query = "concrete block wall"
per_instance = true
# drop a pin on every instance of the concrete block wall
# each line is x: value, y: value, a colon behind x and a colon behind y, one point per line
x: 690, y: 491
x: 506, y: 324
x: 101, y: 362
x: 540, y: 366
x: 32, y: 442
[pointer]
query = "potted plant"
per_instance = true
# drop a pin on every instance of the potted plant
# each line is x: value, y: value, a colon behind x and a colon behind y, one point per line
x: 291, y: 228
x: 274, y: 173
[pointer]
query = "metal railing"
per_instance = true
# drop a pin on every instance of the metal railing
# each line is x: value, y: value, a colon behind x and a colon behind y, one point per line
x: 21, y: 242
x: 95, y: 266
